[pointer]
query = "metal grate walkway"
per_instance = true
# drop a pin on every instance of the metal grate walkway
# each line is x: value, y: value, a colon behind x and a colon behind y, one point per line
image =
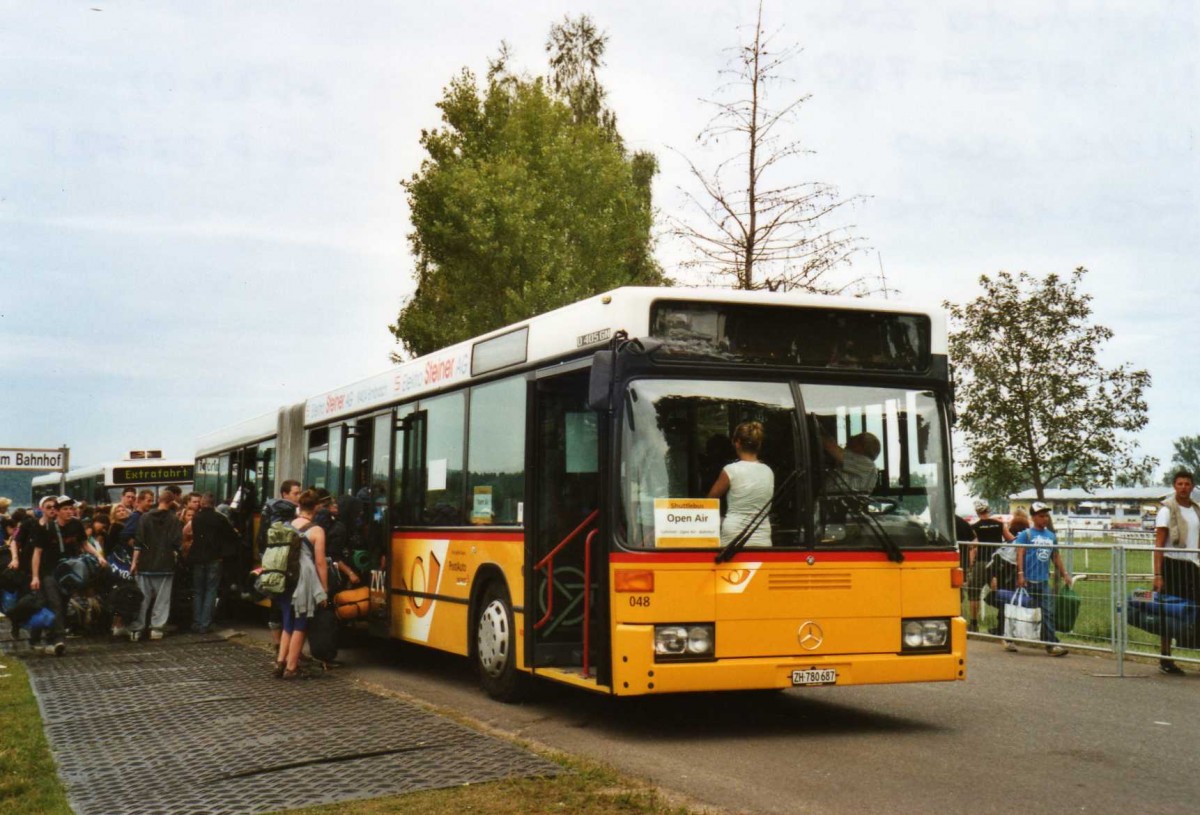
x: 198, y: 725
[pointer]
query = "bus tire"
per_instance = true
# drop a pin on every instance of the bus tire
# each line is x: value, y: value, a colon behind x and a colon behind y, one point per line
x: 495, y: 645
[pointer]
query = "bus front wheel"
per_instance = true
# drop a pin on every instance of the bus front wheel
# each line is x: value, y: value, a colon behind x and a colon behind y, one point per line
x: 495, y: 645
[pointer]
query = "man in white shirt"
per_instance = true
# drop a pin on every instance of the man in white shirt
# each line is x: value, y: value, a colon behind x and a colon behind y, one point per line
x: 1176, y: 559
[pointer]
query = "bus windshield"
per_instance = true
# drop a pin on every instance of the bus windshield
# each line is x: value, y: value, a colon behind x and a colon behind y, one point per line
x: 851, y: 467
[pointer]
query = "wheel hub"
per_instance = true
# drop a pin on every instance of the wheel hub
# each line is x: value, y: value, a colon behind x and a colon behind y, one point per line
x: 494, y: 639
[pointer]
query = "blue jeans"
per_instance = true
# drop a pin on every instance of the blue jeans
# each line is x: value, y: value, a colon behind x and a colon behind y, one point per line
x: 1043, y: 598
x: 206, y: 579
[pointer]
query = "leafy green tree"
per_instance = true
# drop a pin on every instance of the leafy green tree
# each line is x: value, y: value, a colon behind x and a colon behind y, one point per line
x: 1139, y: 473
x: 576, y: 53
x: 1186, y: 457
x: 1034, y: 404
x: 521, y: 206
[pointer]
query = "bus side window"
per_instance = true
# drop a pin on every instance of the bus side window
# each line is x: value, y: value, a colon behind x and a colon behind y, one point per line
x: 444, y: 460
x: 496, y: 451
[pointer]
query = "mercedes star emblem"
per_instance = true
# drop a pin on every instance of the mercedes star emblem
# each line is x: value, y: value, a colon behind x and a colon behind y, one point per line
x: 810, y: 635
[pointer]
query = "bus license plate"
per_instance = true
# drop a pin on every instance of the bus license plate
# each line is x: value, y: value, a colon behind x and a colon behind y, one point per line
x: 815, y: 676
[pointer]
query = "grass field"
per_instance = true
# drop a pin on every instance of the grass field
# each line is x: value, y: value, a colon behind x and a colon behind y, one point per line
x: 586, y: 789
x: 28, y: 776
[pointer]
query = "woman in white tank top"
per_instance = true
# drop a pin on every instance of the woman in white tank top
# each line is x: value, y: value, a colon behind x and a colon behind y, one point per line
x: 747, y: 486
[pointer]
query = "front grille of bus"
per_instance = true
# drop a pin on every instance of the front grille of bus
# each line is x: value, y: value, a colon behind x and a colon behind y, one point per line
x: 808, y: 581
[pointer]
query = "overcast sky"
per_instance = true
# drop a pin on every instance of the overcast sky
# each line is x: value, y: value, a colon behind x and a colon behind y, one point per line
x: 200, y: 214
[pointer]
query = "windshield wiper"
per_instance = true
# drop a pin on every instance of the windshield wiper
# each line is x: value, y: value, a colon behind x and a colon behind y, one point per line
x: 740, y: 539
x: 856, y: 502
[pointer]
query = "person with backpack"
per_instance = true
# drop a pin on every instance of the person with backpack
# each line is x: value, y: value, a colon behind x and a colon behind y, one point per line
x: 47, y: 552
x: 277, y: 510
x: 301, y: 598
x: 159, y: 538
x: 281, y: 509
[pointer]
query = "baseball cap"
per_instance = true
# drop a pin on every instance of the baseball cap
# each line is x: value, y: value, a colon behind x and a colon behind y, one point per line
x: 981, y: 505
x: 45, y: 500
x: 66, y: 501
x: 1038, y: 506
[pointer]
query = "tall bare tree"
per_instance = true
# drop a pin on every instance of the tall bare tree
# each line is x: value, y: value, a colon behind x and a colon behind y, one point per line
x: 753, y: 223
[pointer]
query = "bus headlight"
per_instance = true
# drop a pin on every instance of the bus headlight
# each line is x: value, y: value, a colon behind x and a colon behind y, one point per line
x: 684, y: 641
x: 925, y: 635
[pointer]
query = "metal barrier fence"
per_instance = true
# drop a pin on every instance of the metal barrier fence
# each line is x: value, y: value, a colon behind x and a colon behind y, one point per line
x: 1113, y: 574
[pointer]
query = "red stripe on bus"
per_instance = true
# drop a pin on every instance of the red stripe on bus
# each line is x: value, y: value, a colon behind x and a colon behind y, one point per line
x: 433, y: 534
x: 780, y: 557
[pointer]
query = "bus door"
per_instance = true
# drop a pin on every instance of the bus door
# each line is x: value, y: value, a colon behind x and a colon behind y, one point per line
x: 370, y: 450
x: 565, y: 496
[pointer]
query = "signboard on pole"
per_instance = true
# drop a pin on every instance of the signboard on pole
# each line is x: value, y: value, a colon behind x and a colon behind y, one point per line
x: 33, y: 458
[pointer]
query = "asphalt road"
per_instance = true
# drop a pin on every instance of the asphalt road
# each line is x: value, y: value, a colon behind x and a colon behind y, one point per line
x: 1025, y: 733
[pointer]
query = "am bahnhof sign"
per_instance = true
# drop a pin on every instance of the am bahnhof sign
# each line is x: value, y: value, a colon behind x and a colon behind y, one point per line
x: 33, y: 458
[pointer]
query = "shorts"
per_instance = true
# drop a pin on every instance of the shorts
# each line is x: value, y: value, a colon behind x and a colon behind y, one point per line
x: 978, y: 576
x: 291, y: 622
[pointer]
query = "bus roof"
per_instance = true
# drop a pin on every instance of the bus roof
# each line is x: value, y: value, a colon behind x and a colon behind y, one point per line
x: 241, y: 434
x: 108, y: 469
x: 556, y: 334
x: 79, y: 472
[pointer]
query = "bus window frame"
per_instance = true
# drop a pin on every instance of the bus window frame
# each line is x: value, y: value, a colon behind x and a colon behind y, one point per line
x: 805, y: 442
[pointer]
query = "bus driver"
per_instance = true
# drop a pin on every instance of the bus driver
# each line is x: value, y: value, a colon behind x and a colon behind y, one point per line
x: 856, y: 462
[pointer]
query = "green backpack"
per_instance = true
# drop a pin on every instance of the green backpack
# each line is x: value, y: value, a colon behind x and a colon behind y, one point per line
x: 280, y: 559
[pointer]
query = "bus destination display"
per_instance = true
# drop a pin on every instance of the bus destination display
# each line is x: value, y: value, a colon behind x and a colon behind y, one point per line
x: 153, y: 474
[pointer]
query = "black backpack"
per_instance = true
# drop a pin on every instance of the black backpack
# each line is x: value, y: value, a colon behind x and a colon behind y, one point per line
x: 126, y: 600
x: 323, y: 634
x: 25, y: 607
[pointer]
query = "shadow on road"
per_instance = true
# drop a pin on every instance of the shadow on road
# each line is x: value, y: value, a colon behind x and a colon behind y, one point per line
x: 692, y: 716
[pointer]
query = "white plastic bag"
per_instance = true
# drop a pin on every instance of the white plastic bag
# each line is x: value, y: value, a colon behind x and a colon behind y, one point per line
x: 1022, y: 621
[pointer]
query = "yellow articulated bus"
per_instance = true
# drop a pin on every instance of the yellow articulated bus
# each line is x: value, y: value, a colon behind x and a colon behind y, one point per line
x: 655, y: 491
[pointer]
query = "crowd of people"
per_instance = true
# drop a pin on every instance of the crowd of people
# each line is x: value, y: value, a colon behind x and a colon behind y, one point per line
x: 1022, y: 553
x: 1019, y: 556
x: 131, y: 568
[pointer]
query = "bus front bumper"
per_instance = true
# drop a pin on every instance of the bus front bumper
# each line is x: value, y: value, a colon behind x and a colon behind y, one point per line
x: 635, y: 672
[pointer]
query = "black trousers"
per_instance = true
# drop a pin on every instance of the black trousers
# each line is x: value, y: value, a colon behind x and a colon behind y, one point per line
x: 1182, y: 579
x: 56, y: 602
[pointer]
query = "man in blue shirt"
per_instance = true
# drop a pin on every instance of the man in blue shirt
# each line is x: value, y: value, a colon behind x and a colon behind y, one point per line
x: 1034, y: 556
